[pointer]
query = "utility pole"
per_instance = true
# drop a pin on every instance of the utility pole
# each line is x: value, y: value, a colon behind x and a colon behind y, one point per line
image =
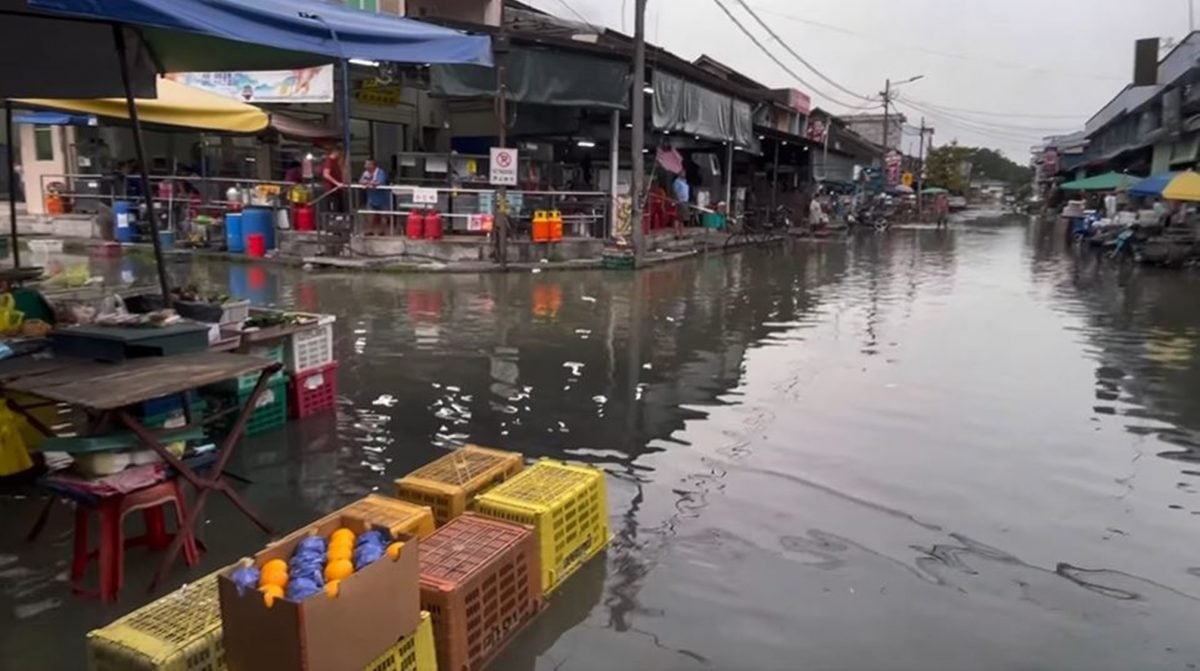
x: 1191, y: 16
x: 638, y: 136
x: 921, y: 169
x: 887, y: 104
x: 500, y: 56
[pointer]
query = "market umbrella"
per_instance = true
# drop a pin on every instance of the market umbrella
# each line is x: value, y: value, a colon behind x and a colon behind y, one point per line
x: 901, y: 189
x: 1109, y: 181
x: 1152, y: 185
x: 1185, y: 186
x: 933, y: 191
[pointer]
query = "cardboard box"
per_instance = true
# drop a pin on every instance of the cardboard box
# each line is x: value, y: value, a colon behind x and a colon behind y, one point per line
x: 375, y: 607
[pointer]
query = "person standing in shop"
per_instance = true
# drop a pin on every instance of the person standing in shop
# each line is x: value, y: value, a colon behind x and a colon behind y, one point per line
x: 333, y: 178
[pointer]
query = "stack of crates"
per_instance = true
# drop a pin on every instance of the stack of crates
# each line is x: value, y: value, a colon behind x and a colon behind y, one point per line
x: 448, y: 484
x: 180, y: 632
x: 566, y: 505
x: 312, y: 370
x: 479, y: 582
x: 412, y: 653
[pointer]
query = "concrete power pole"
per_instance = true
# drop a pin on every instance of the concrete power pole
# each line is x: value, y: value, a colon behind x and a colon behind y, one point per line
x: 887, y: 104
x: 638, y: 136
x: 921, y: 169
x: 500, y: 56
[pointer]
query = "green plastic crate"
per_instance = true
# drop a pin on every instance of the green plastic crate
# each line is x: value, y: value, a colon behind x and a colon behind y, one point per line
x: 270, y: 414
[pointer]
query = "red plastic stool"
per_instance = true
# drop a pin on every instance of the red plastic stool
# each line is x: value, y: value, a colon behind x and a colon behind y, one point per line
x: 111, y: 552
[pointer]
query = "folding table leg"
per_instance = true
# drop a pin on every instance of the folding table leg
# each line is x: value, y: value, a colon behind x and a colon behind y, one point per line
x: 40, y: 522
x: 203, y: 486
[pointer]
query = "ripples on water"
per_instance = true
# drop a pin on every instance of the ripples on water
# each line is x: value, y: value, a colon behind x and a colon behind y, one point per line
x: 963, y: 449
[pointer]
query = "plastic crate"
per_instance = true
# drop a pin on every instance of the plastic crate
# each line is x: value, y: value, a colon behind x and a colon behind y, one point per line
x: 447, y: 484
x: 275, y: 353
x: 567, y: 506
x: 412, y: 653
x: 313, y: 391
x: 179, y: 632
x: 310, y: 348
x: 399, y: 517
x: 270, y: 413
x: 479, y: 582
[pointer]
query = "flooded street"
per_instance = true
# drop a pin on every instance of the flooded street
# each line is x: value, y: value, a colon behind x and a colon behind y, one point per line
x: 922, y: 450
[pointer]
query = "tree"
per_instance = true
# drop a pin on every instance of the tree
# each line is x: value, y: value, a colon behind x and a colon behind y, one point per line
x: 945, y: 167
x: 953, y: 167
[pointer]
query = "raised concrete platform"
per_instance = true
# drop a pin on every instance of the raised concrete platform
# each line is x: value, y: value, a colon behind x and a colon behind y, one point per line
x: 465, y: 249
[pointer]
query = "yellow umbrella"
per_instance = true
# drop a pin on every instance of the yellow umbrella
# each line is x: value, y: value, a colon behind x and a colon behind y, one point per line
x: 1184, y: 187
x: 176, y: 105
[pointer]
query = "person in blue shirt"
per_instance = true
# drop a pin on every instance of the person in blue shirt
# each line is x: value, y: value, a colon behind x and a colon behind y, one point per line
x: 378, y: 199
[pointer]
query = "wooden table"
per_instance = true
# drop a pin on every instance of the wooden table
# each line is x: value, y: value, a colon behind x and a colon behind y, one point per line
x: 110, y: 389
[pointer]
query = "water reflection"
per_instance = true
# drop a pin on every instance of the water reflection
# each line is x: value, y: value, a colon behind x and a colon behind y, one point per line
x: 929, y: 449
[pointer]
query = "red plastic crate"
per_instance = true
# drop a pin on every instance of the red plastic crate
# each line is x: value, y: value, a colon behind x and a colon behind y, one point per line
x: 481, y: 582
x: 313, y: 391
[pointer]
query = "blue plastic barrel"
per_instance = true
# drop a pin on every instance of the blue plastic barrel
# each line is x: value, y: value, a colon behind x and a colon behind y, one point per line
x: 124, y: 215
x: 166, y: 239
x: 233, y: 233
x: 259, y: 220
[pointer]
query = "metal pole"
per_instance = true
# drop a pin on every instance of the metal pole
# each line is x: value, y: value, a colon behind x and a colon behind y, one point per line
x: 500, y: 56
x: 346, y: 122
x: 139, y: 146
x: 12, y: 182
x: 775, y: 180
x: 887, y: 95
x: 1191, y: 16
x: 921, y: 173
x: 614, y: 159
x: 729, y: 180
x: 637, y: 140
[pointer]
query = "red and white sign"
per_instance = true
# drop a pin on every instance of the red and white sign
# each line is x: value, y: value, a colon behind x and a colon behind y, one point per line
x: 799, y: 101
x: 503, y: 167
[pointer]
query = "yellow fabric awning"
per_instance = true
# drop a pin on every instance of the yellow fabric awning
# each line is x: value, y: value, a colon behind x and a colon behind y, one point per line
x: 176, y: 105
x: 1186, y: 186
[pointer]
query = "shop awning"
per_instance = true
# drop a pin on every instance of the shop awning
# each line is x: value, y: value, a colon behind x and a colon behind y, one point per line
x: 300, y: 129
x: 191, y: 35
x: 557, y: 78
x: 1152, y: 185
x: 681, y: 106
x: 933, y: 191
x: 1109, y: 181
x: 1185, y: 186
x: 176, y: 105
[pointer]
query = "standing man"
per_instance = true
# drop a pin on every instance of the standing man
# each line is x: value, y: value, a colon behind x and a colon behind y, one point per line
x: 333, y: 179
x: 683, y: 197
x: 373, y: 177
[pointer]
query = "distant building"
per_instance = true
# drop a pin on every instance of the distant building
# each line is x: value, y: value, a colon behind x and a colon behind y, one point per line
x: 870, y: 126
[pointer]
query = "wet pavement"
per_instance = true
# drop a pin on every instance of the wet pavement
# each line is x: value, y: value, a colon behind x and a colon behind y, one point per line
x: 924, y: 450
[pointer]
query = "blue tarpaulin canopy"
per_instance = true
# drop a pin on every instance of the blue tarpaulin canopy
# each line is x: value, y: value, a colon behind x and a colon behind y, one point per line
x: 1152, y: 185
x: 275, y: 34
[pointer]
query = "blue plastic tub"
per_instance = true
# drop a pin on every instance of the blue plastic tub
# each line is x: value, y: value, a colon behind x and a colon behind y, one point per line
x: 125, y: 217
x: 233, y: 233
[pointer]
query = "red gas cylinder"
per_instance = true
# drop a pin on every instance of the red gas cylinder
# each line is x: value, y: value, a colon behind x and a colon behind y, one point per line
x: 414, y: 227
x: 305, y: 221
x: 433, y: 225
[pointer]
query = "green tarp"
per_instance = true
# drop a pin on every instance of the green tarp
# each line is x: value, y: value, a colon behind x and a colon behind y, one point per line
x: 543, y: 77
x: 1109, y: 181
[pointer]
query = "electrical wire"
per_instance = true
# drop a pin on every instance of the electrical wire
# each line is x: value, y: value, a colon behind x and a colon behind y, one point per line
x: 571, y: 8
x: 983, y: 131
x: 1003, y: 115
x: 762, y: 47
x: 797, y: 56
x: 984, y: 124
x: 934, y: 52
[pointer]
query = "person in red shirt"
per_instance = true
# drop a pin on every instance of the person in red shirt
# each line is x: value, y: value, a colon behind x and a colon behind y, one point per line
x: 333, y: 178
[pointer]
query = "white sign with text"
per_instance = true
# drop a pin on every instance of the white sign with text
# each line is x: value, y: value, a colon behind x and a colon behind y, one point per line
x: 503, y: 167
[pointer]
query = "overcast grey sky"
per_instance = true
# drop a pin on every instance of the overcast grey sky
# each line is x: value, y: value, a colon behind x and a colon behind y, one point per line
x: 1056, y: 58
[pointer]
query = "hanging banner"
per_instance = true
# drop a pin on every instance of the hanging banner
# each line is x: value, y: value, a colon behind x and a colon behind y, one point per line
x: 304, y: 85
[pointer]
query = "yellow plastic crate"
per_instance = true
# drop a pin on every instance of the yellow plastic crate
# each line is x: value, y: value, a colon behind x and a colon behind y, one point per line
x: 400, y: 517
x: 448, y: 484
x: 412, y: 653
x: 565, y: 503
x: 179, y: 632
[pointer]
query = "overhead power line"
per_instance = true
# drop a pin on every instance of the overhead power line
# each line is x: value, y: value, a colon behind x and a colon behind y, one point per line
x: 1003, y: 115
x: 982, y: 131
x: 762, y: 47
x: 934, y: 52
x: 571, y: 8
x: 797, y: 56
x: 985, y: 124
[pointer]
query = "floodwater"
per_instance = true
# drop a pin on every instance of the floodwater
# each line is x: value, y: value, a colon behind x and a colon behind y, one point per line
x: 923, y: 450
